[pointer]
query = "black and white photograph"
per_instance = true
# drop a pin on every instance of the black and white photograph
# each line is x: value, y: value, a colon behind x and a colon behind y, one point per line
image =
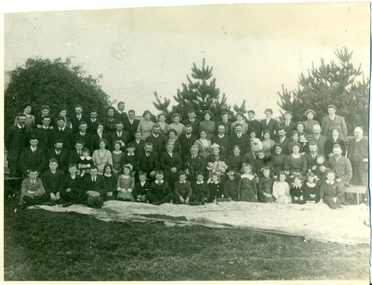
x: 199, y: 141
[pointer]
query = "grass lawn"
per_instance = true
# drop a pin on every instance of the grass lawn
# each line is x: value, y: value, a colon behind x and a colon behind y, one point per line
x: 41, y: 245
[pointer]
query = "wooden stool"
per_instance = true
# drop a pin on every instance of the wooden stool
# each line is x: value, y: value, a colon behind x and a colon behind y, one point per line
x: 356, y: 189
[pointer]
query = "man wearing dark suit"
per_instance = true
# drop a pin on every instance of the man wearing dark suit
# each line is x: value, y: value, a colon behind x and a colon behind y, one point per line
x: 119, y: 135
x: 194, y: 163
x: 283, y: 141
x: 288, y: 125
x: 94, y: 182
x: 251, y: 157
x: 78, y: 118
x: 193, y: 121
x: 319, y: 139
x: 60, y: 154
x: 312, y: 156
x: 240, y: 139
x: 170, y: 163
x: 358, y: 155
x: 186, y: 140
x: 131, y: 124
x: 61, y: 132
x: 44, y: 135
x: 149, y: 161
x: 92, y: 122
x: 32, y: 157
x: 157, y: 139
x: 15, y: 142
x: 225, y: 122
x: 39, y: 119
x: 83, y: 136
x: 120, y: 115
x: 270, y: 124
x: 254, y: 125
x: 74, y: 155
x: 53, y: 181
x: 100, y: 134
x: 138, y: 143
x: 222, y: 139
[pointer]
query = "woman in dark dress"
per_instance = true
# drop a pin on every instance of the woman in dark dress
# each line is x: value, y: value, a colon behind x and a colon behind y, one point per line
x: 335, y: 139
x: 110, y: 182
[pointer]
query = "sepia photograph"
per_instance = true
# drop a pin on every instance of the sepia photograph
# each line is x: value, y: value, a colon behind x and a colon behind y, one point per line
x: 187, y: 142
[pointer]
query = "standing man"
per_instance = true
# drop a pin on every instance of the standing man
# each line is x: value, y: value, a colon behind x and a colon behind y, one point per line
x: 289, y: 126
x: 254, y: 125
x: 15, y: 141
x: 119, y: 113
x: 270, y: 124
x: 240, y: 139
x: 283, y: 140
x: 39, y: 119
x: 78, y: 118
x: 131, y: 124
x: 83, y: 136
x: 186, y: 140
x: 118, y: 135
x: 318, y: 138
x: 193, y: 121
x: 61, y: 132
x: 157, y: 139
x: 222, y: 139
x: 45, y: 135
x: 358, y: 155
x: 333, y: 121
x: 32, y: 157
x: 92, y: 122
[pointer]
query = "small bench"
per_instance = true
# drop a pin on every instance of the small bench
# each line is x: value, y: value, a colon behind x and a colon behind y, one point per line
x: 357, y: 189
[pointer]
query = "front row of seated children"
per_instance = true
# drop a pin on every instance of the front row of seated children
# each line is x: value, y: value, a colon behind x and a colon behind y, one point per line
x: 55, y: 188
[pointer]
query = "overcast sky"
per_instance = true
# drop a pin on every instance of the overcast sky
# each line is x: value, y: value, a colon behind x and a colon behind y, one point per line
x: 253, y: 48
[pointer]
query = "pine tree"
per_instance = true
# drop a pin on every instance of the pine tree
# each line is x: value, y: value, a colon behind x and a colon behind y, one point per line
x: 200, y: 94
x: 334, y: 83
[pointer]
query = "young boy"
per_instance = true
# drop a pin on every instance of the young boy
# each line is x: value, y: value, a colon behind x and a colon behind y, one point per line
x: 130, y: 159
x: 32, y: 190
x: 182, y: 189
x: 159, y: 191
x: 73, y: 189
x: 231, y: 186
x: 141, y: 188
x: 215, y: 188
x: 53, y: 182
x: 94, y: 185
x: 39, y: 119
x: 330, y: 192
x: 201, y: 189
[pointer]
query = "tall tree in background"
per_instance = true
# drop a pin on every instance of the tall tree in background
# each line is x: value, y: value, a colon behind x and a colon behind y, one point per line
x: 340, y: 84
x: 200, y: 95
x: 56, y: 83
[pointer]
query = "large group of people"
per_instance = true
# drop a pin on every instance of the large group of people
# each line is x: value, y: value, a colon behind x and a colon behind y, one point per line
x: 89, y: 159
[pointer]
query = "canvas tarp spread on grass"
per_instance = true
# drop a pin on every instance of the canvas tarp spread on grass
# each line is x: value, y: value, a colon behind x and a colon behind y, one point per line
x: 349, y: 225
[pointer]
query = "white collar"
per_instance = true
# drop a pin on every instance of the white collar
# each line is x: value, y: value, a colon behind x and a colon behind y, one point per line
x: 130, y: 154
x: 202, y: 182
x: 87, y: 158
x: 82, y: 134
x: 159, y: 183
x: 329, y: 182
x: 221, y: 136
x: 155, y: 136
x: 182, y: 182
x: 61, y: 129
x: 19, y: 126
x: 332, y: 117
x: 120, y: 112
x: 33, y: 148
x: 45, y: 128
x: 55, y: 171
x: 143, y: 183
x: 359, y: 139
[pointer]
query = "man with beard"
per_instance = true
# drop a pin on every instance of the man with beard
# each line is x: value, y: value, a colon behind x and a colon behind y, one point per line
x: 157, y: 139
x: 60, y: 154
x: 186, y: 140
x: 149, y: 161
x: 319, y: 139
x: 222, y: 140
x: 283, y: 140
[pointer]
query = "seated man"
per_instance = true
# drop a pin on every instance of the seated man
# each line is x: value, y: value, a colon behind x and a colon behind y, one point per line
x: 73, y: 189
x: 159, y: 191
x: 32, y: 191
x: 94, y: 185
x: 52, y: 180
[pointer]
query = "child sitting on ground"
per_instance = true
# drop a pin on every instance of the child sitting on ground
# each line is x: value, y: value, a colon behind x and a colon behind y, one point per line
x: 32, y: 190
x: 311, y: 188
x: 215, y: 188
x: 85, y: 162
x: 231, y: 186
x: 182, y: 189
x: 159, y: 191
x: 201, y: 189
x: 296, y: 191
x: 125, y: 185
x: 281, y: 190
x: 265, y: 187
x: 247, y: 189
x: 330, y: 192
x: 141, y: 188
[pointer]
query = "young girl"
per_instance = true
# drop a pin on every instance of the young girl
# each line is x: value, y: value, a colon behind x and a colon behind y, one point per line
x: 215, y: 188
x: 231, y: 186
x: 125, y: 185
x: 311, y: 188
x: 265, y: 187
x: 117, y: 156
x: 201, y: 189
x: 85, y: 162
x: 110, y: 182
x: 247, y: 189
x: 277, y: 160
x: 281, y: 190
x: 296, y: 191
x: 330, y: 193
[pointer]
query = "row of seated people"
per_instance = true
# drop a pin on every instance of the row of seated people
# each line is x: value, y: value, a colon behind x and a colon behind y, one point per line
x: 55, y: 187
